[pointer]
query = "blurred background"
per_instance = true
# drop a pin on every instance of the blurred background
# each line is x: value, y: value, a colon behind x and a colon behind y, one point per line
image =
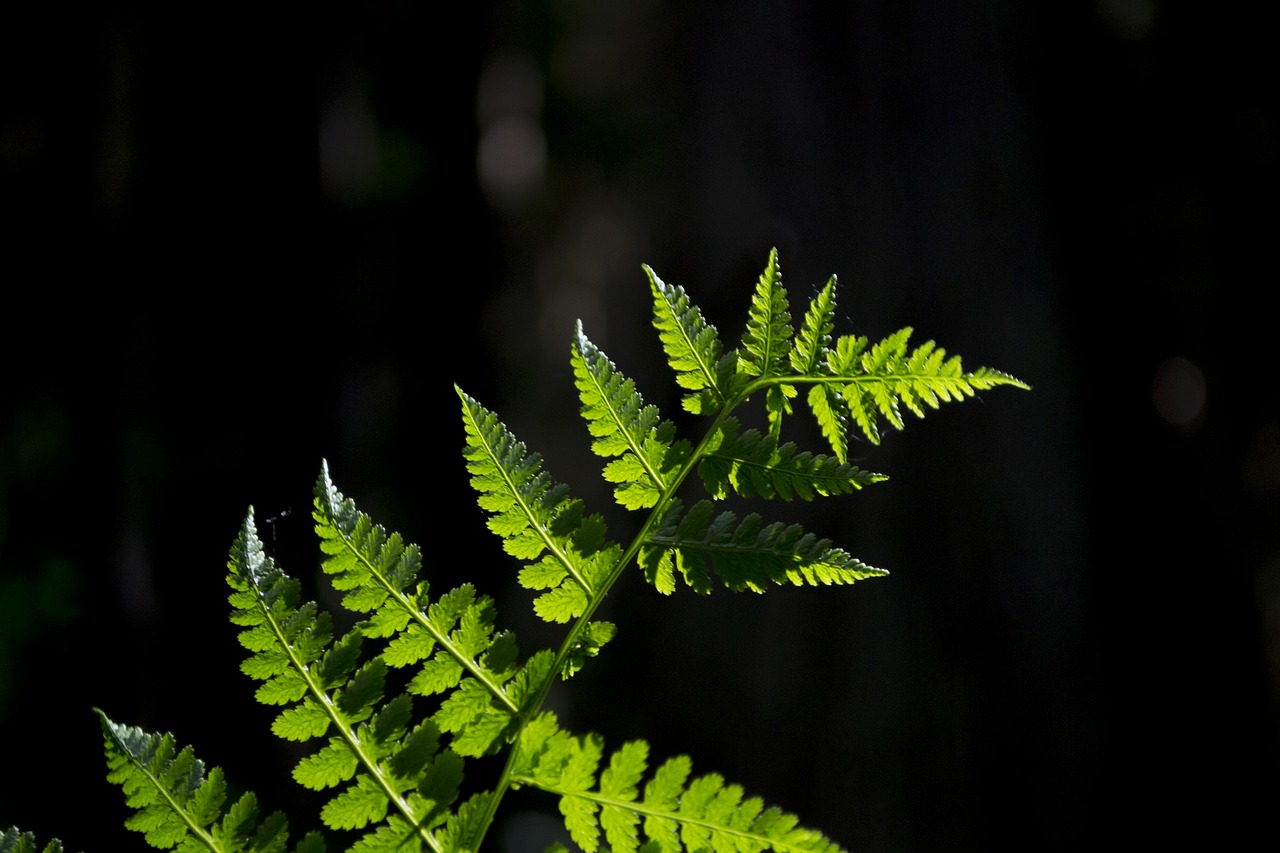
x: 236, y: 244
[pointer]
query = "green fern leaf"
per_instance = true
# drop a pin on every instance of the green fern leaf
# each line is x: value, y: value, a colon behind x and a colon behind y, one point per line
x: 177, y: 805
x: 814, y: 338
x: 751, y: 464
x: 303, y: 722
x: 375, y: 758
x: 746, y: 555
x: 536, y: 518
x: 662, y: 794
x: 624, y: 427
x: 13, y: 841
x: 465, y: 828
x: 694, y: 350
x: 327, y: 768
x: 845, y: 358
x: 390, y: 748
x: 675, y: 814
x: 397, y: 835
x: 454, y: 636
x: 766, y: 343
x: 832, y: 419
x: 873, y: 384
x: 808, y: 358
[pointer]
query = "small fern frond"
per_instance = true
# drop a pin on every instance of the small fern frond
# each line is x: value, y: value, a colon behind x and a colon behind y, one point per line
x: 391, y: 772
x: 14, y: 841
x: 538, y: 522
x: 874, y: 383
x: 675, y: 813
x: 454, y: 637
x: 693, y: 349
x: 751, y: 464
x: 814, y: 338
x: 746, y: 555
x: 179, y: 806
x: 766, y: 342
x: 624, y: 427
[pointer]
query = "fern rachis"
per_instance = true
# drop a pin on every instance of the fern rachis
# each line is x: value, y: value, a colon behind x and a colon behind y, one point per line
x: 398, y: 752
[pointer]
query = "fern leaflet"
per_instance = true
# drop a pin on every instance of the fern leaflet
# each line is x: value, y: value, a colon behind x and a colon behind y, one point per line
x: 454, y: 636
x: 178, y: 806
x: 815, y: 331
x: 807, y: 358
x: 751, y: 464
x: 672, y: 811
x: 766, y: 343
x: 694, y: 350
x: 14, y: 841
x: 536, y: 518
x: 624, y: 427
x: 746, y: 555
x: 392, y: 771
x: 873, y: 383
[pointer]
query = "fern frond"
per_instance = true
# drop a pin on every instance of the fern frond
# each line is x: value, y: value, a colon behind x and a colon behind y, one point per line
x: 746, y: 555
x: 814, y: 338
x: 852, y: 385
x: 536, y: 518
x: 392, y: 774
x: 178, y: 806
x: 624, y: 427
x: 454, y: 637
x: 751, y: 464
x: 873, y: 383
x: 14, y: 841
x: 674, y: 812
x: 766, y: 343
x: 693, y: 349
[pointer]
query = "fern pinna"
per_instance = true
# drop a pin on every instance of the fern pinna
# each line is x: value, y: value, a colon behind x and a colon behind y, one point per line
x: 398, y: 708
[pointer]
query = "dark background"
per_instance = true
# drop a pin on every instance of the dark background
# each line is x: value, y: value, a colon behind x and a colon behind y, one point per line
x: 236, y: 244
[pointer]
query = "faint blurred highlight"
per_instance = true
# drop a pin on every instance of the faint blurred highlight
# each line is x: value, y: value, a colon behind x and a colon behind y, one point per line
x: 1127, y: 19
x: 511, y: 156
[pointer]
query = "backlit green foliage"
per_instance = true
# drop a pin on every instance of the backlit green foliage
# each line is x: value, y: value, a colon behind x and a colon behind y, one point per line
x: 394, y: 713
x: 179, y: 807
x: 13, y: 841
